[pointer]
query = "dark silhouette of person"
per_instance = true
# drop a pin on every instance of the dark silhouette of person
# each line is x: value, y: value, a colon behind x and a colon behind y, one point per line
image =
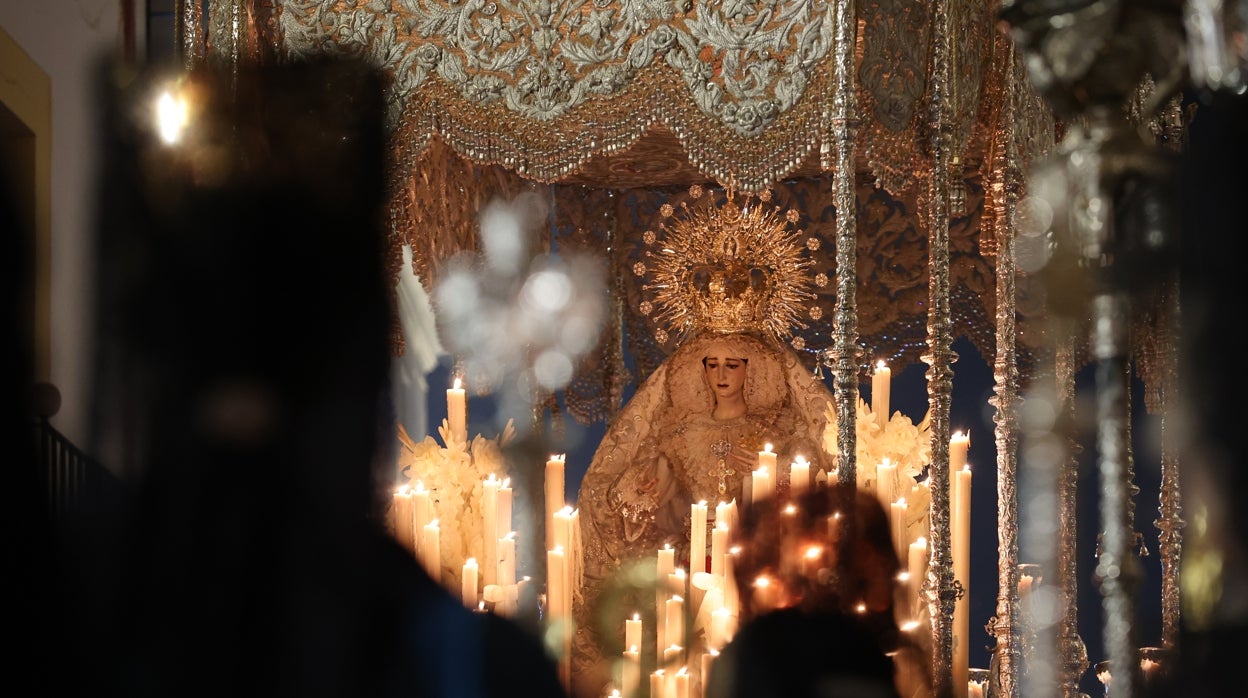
x: 822, y: 624
x: 244, y: 327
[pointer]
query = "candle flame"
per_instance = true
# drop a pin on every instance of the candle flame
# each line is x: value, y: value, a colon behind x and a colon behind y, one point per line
x: 861, y: 607
x: 767, y: 448
x: 790, y: 509
x: 458, y: 383
x: 922, y: 540
x: 762, y: 581
x: 636, y: 616
x: 901, y: 501
x: 813, y: 552
x: 903, y: 577
x: 470, y: 562
x: 909, y: 626
x: 880, y: 365
x: 966, y: 468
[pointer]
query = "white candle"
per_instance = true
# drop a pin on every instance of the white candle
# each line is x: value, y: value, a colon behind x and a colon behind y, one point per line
x: 717, y: 636
x: 422, y: 507
x: 879, y: 392
x: 766, y: 458
x: 732, y: 595
x: 759, y: 489
x: 489, y: 533
x: 719, y: 547
x: 682, y: 683
x: 697, y: 537
x: 564, y: 523
x: 961, y: 553
x: 799, y: 476
x: 959, y: 444
x: 917, y: 562
x: 457, y: 411
x: 507, y: 560
x: 555, y: 496
x: 555, y: 591
x: 708, y: 660
x: 431, y: 550
x: 468, y: 582
x: 898, y: 510
x: 503, y: 510
x: 630, y: 678
x: 401, y: 518
x: 975, y: 690
x: 886, y: 482
x: 656, y: 684
x: 632, y: 631
x: 675, y: 622
x: 666, y: 565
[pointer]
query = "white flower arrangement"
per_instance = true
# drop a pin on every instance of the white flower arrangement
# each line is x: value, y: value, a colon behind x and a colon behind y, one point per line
x: 899, y: 442
x: 453, y: 473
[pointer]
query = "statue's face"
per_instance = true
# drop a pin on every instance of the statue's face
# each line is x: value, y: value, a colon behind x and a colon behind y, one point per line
x: 725, y: 371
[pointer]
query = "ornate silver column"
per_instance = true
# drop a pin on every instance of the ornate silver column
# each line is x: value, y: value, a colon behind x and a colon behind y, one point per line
x: 189, y: 33
x: 940, y: 356
x: 844, y: 123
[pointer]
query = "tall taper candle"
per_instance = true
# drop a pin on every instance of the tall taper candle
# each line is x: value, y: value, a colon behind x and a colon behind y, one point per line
x: 431, y: 550
x: 422, y: 507
x: 489, y: 533
x: 401, y: 518
x: 697, y: 537
x: 898, y: 510
x: 960, y: 544
x: 880, y: 392
x: 799, y: 476
x: 503, y: 514
x: 555, y: 496
x: 457, y: 411
x: 630, y: 679
x: 468, y: 582
x: 666, y: 566
x: 719, y: 547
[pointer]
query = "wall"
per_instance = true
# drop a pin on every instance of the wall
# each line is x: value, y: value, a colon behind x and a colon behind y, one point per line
x: 66, y: 38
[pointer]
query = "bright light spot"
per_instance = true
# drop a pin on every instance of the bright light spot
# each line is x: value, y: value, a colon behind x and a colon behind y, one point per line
x: 813, y: 552
x: 762, y: 582
x: 547, y: 291
x: 172, y: 115
x: 553, y: 369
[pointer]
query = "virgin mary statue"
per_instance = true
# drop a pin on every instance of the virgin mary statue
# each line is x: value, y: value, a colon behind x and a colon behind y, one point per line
x: 730, y: 280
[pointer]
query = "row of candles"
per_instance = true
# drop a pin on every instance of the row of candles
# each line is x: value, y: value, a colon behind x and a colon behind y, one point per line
x: 413, y: 524
x: 715, y: 588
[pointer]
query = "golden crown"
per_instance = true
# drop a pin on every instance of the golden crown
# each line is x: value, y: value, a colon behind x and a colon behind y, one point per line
x: 725, y: 268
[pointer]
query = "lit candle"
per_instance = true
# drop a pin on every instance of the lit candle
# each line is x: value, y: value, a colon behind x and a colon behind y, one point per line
x: 768, y: 458
x: 961, y: 553
x: 564, y: 523
x: 507, y: 560
x: 675, y: 622
x: 656, y: 684
x: 799, y: 476
x: 717, y: 637
x: 682, y: 683
x: 489, y: 534
x: 630, y: 678
x: 666, y: 565
x: 555, y: 496
x: 898, y: 510
x: 468, y: 581
x: 732, y: 595
x: 917, y: 560
x: 401, y: 518
x: 886, y: 482
x: 879, y: 392
x: 959, y: 444
x: 503, y: 510
x: 422, y: 507
x: 697, y: 537
x: 632, y: 631
x: 457, y: 411
x: 431, y: 550
x: 719, y: 547
x: 708, y: 660
x: 759, y: 489
x: 555, y: 591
